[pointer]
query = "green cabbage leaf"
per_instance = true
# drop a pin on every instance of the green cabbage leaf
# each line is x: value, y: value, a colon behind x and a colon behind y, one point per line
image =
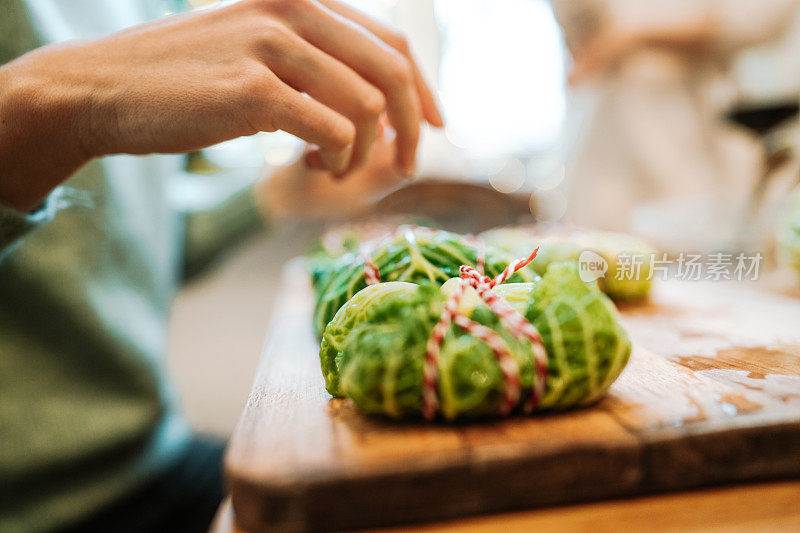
x: 373, y: 351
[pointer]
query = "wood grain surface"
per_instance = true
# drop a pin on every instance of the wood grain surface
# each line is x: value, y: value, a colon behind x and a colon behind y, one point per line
x: 711, y: 395
x: 763, y: 507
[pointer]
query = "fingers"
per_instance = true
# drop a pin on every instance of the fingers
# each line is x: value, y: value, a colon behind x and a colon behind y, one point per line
x: 377, y: 63
x: 430, y: 109
x: 600, y: 53
x: 332, y: 83
x: 306, y: 118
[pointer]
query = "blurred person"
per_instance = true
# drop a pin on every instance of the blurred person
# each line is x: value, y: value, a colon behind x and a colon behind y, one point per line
x: 91, y: 436
x: 654, y: 130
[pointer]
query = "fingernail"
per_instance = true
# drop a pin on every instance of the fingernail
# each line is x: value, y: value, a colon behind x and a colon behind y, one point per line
x: 346, y: 157
x: 337, y: 162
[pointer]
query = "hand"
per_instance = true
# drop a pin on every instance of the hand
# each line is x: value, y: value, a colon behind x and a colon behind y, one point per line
x: 299, y: 191
x: 193, y: 80
x: 601, y: 52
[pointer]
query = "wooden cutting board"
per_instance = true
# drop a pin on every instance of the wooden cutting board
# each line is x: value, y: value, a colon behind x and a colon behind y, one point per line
x: 711, y: 395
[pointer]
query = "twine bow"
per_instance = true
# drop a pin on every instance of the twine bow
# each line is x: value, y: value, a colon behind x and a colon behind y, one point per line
x: 512, y: 320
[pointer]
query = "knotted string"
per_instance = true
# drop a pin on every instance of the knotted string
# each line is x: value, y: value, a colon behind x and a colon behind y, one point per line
x: 512, y: 320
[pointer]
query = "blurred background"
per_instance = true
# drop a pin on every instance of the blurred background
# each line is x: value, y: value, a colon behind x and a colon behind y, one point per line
x: 675, y: 121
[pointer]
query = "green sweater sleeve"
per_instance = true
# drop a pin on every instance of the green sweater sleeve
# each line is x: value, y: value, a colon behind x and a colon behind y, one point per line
x: 14, y: 225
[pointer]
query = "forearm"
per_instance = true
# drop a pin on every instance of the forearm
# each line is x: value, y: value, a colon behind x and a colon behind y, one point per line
x: 694, y: 33
x: 40, y: 134
x: 615, y: 39
x: 197, y: 79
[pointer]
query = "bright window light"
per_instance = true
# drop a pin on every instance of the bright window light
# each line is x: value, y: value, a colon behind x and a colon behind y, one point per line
x: 501, y: 75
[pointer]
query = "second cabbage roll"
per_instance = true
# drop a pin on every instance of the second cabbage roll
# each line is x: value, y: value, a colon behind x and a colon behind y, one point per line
x: 414, y: 255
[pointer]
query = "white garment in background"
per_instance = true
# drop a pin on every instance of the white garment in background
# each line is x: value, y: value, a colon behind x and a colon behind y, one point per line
x: 652, y: 129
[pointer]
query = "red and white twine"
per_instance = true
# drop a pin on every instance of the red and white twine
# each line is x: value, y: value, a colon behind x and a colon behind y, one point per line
x: 430, y: 372
x: 512, y: 320
x: 371, y: 273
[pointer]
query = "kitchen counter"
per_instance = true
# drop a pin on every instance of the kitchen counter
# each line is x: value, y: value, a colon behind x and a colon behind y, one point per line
x: 769, y: 507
